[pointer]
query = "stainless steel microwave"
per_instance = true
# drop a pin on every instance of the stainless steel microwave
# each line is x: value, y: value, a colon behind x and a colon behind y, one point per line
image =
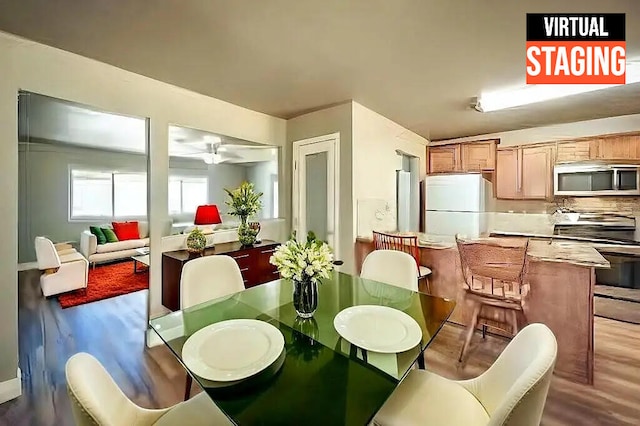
x: 596, y: 179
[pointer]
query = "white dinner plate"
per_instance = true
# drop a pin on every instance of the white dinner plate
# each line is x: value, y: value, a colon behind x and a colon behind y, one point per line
x: 378, y: 328
x: 232, y: 350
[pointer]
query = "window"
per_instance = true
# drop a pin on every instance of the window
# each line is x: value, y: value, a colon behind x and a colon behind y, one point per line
x: 187, y: 193
x: 107, y: 194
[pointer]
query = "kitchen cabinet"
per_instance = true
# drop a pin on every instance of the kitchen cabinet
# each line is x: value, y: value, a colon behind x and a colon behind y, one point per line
x: 576, y: 151
x: 524, y: 173
x: 625, y: 147
x: 537, y: 170
x: 507, y: 184
x: 253, y: 263
x: 479, y: 156
x: 468, y: 157
x: 444, y: 159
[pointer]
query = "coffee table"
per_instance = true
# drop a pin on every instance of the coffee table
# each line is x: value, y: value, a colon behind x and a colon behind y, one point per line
x: 142, y: 257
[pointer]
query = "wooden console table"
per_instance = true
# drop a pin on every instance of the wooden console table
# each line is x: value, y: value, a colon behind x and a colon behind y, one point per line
x: 253, y: 262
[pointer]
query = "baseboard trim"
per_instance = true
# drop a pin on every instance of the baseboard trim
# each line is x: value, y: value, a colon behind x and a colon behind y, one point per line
x: 10, y: 389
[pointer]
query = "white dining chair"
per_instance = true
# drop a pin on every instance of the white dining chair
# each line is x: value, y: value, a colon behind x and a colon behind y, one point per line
x: 391, y: 267
x: 512, y: 391
x: 97, y: 400
x: 207, y: 278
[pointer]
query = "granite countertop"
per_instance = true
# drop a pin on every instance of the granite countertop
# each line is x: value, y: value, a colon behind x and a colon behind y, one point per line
x: 576, y: 253
x: 566, y: 252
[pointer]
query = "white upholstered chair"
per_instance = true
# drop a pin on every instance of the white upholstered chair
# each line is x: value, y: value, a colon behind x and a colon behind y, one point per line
x: 207, y: 278
x: 62, y: 271
x: 512, y: 391
x: 391, y: 267
x: 97, y: 400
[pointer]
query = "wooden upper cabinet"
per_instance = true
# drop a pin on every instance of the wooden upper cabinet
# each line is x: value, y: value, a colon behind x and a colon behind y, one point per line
x: 524, y: 173
x: 618, y: 148
x: 478, y: 156
x: 444, y: 158
x: 507, y: 174
x: 536, y: 173
x: 463, y: 157
x: 576, y: 151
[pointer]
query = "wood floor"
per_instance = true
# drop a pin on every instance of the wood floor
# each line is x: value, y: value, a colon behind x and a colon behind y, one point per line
x: 113, y: 330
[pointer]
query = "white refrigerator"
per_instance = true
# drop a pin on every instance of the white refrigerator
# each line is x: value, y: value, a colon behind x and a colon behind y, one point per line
x: 457, y: 204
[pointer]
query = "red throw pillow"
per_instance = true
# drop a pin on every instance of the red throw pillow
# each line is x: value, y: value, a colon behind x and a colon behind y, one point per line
x: 126, y: 230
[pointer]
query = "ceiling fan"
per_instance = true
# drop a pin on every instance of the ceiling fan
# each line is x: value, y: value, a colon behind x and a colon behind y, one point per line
x: 215, y: 151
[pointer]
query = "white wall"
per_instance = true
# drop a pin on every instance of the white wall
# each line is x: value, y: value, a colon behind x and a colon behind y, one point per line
x: 42, y: 69
x: 375, y: 161
x: 601, y: 126
x: 336, y: 119
x: 261, y: 175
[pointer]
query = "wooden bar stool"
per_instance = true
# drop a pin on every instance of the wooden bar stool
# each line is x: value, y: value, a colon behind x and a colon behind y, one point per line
x: 407, y: 244
x: 494, y: 270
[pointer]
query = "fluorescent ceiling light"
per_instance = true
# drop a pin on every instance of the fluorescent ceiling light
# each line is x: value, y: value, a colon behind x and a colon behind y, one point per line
x: 503, y: 99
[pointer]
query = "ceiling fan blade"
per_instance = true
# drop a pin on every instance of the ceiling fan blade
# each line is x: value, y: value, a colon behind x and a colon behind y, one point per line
x: 230, y: 147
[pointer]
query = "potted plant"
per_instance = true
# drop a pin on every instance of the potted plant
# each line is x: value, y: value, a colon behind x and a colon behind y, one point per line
x: 196, y: 241
x: 244, y: 202
x: 306, y: 264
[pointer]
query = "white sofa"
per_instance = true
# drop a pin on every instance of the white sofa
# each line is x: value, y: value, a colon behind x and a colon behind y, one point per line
x: 97, y: 253
x: 62, y: 270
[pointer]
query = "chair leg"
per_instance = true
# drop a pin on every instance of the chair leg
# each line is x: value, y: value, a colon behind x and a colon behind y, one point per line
x: 470, y: 330
x: 514, y: 321
x: 187, y: 387
x: 484, y: 331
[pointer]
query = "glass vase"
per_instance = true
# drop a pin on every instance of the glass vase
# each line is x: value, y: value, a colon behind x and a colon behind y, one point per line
x: 305, y: 297
x: 246, y: 235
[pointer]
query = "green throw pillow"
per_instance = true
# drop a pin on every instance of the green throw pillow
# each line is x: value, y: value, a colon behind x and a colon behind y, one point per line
x: 110, y: 235
x: 99, y: 234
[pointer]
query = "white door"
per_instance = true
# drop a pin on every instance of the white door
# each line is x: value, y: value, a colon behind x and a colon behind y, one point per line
x: 315, y: 188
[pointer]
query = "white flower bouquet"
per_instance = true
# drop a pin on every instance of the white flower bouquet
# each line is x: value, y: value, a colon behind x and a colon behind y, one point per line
x: 300, y: 262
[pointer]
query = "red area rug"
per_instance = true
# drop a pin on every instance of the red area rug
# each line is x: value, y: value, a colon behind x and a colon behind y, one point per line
x: 107, y: 281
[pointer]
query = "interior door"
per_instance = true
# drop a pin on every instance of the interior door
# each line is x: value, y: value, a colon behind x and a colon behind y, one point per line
x: 315, y: 184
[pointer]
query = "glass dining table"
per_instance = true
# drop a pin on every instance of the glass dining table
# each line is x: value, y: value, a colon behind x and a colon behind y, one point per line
x: 319, y: 378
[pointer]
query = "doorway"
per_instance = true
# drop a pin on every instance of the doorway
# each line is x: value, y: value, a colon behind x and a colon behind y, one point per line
x: 315, y: 189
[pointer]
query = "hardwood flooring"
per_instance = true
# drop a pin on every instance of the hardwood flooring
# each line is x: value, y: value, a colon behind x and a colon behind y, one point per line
x: 113, y: 331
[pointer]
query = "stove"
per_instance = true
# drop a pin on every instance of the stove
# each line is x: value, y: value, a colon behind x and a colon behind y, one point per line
x: 610, y: 229
x: 605, y: 228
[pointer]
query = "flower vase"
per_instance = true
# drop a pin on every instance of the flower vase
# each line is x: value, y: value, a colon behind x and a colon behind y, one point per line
x: 246, y: 235
x: 305, y: 297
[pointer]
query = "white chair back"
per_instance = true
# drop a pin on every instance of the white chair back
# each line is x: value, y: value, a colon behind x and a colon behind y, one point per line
x: 208, y: 278
x: 97, y: 399
x: 514, y: 389
x: 391, y: 267
x: 46, y: 254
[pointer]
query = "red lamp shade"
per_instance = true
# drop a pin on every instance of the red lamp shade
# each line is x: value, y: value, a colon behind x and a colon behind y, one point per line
x: 207, y: 215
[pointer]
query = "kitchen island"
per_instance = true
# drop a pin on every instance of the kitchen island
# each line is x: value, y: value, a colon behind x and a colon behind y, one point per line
x: 561, y: 277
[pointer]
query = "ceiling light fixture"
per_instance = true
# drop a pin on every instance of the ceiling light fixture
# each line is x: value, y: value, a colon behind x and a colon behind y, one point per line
x: 503, y: 99
x: 208, y: 158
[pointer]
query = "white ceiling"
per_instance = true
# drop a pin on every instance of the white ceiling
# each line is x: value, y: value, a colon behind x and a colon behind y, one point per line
x: 418, y: 62
x: 46, y: 119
